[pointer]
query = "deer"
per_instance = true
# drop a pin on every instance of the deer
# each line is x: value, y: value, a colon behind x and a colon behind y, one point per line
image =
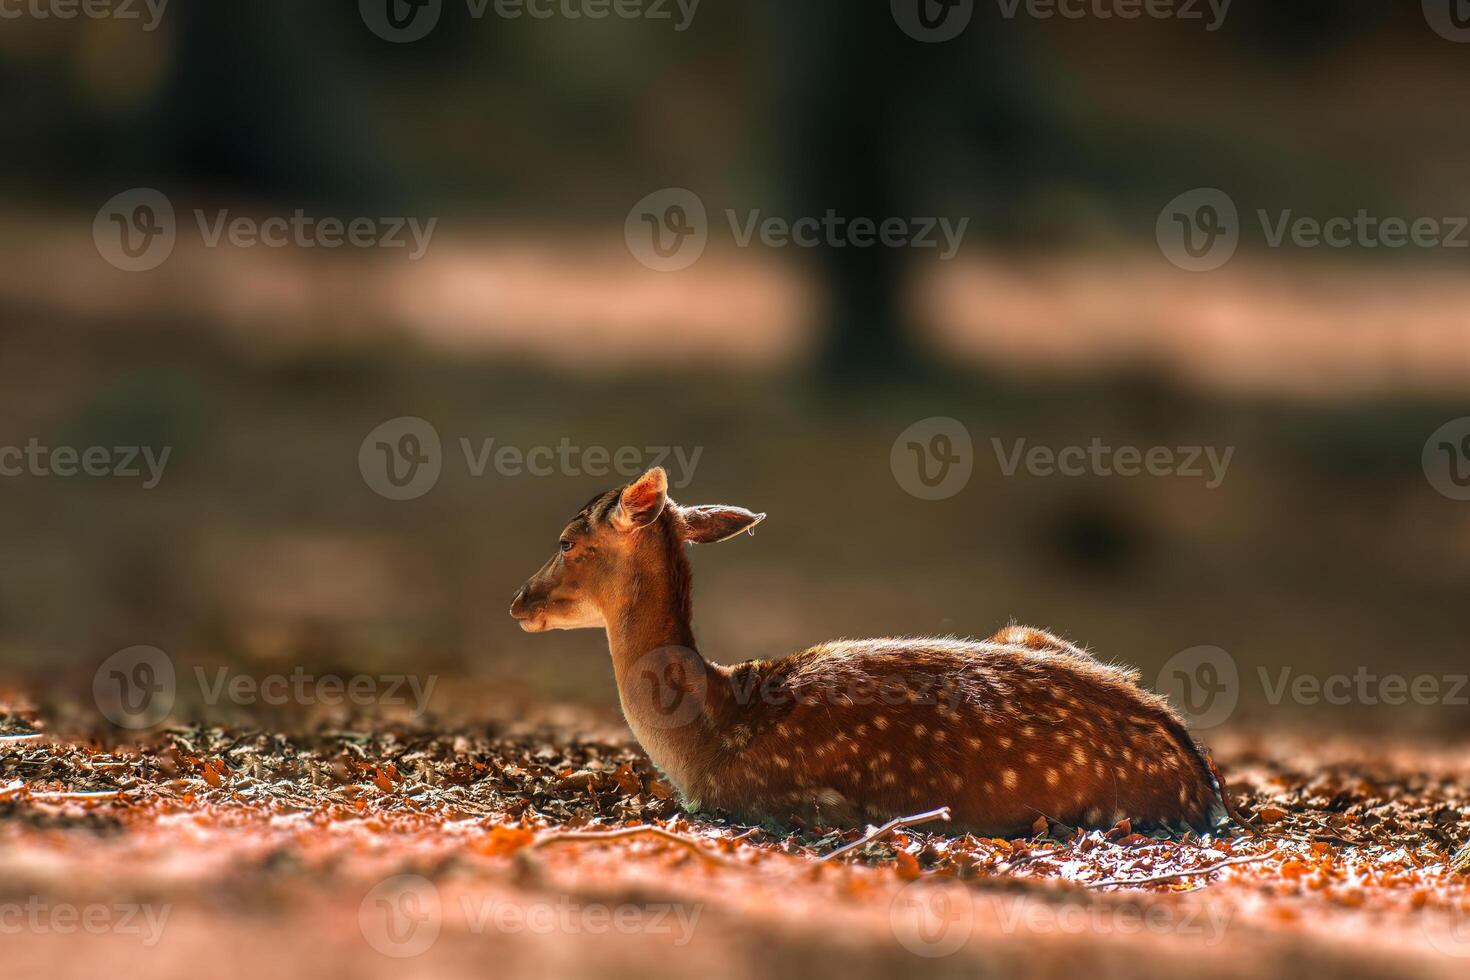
x: 1003, y: 732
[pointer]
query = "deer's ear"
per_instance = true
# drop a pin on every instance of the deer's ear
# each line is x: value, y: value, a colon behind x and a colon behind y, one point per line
x: 642, y: 501
x: 713, y: 523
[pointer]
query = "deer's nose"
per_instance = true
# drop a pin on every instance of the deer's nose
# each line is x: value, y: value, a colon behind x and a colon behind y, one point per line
x: 518, y: 604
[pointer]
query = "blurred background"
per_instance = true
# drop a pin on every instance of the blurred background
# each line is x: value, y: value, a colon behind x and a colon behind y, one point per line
x: 786, y: 379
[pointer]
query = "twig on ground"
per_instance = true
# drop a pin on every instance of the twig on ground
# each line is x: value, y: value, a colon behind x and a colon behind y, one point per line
x: 28, y: 737
x: 1035, y: 855
x: 11, y: 789
x: 88, y: 794
x: 1185, y: 873
x: 643, y: 830
x: 1230, y: 808
x: 1334, y: 839
x: 879, y: 833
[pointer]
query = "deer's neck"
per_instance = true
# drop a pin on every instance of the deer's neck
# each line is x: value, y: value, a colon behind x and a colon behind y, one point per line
x: 664, y: 683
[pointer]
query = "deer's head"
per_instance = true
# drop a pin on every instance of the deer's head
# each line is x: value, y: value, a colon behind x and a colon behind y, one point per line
x: 625, y: 540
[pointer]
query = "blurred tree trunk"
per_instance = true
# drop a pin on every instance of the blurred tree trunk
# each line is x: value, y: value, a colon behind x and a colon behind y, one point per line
x: 256, y: 104
x: 869, y: 108
x: 845, y: 91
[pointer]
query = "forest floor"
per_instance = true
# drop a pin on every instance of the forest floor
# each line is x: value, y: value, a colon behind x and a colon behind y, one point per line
x: 415, y: 853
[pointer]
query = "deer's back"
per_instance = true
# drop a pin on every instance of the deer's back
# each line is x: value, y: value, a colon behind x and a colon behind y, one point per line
x: 856, y: 731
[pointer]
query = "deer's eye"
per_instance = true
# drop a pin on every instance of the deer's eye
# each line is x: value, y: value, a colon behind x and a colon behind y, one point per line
x: 566, y: 546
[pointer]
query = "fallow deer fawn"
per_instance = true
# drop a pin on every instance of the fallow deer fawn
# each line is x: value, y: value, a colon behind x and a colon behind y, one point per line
x: 1002, y: 731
